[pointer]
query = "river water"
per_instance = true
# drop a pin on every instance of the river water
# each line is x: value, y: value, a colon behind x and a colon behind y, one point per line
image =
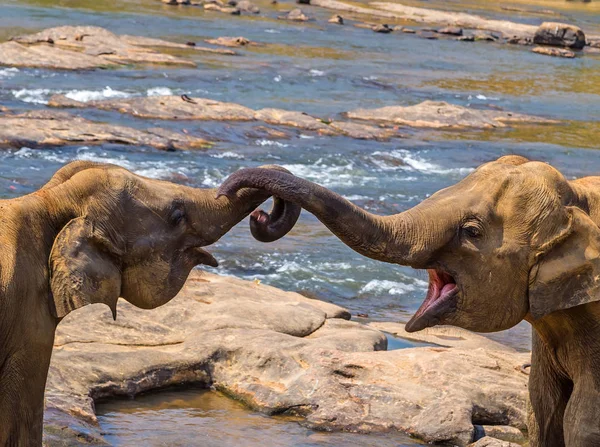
x: 323, y: 70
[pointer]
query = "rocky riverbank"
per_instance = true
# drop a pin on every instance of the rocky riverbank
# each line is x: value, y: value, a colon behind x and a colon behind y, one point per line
x: 282, y: 353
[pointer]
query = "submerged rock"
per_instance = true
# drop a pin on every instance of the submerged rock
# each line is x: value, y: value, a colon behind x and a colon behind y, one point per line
x: 295, y: 15
x: 560, y: 35
x: 52, y: 128
x: 230, y: 41
x: 224, y: 9
x: 556, y: 52
x: 439, y: 114
x: 280, y: 353
x: 88, y: 47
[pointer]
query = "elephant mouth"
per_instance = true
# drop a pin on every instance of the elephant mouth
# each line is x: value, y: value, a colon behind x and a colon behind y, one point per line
x: 204, y: 257
x: 442, y: 298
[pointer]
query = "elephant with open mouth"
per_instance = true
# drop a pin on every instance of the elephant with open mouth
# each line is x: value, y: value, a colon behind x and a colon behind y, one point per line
x: 513, y: 240
x: 94, y: 233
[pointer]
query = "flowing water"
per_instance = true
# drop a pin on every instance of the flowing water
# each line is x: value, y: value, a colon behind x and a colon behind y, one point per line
x: 321, y: 69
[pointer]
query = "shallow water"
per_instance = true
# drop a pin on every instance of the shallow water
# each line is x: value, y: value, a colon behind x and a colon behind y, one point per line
x: 321, y: 69
x: 212, y: 420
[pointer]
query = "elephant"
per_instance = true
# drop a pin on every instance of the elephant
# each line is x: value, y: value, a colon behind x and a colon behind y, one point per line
x: 514, y: 240
x: 96, y: 232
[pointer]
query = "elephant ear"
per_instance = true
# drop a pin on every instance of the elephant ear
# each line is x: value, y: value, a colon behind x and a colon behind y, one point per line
x: 83, y: 268
x: 567, y: 273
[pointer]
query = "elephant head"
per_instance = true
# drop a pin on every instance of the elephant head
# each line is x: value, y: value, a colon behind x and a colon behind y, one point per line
x: 512, y: 240
x: 123, y: 235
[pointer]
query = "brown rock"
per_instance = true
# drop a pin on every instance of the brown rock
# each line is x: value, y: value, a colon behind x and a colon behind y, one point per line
x: 53, y: 128
x: 296, y: 15
x: 425, y: 34
x: 362, y: 131
x: 337, y: 19
x: 300, y: 120
x: 223, y: 9
x: 165, y: 107
x: 438, y: 114
x: 247, y: 6
x: 560, y: 35
x: 485, y: 36
x: 280, y: 353
x: 501, y: 432
x: 81, y: 47
x: 384, y: 29
x: 229, y: 41
x: 493, y: 442
x: 556, y: 52
x: 451, y: 30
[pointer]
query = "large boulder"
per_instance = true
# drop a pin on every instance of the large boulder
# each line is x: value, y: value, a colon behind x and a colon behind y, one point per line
x: 559, y: 35
x: 281, y: 353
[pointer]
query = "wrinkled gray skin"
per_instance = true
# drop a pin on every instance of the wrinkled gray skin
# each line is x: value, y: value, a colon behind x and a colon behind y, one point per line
x: 93, y: 234
x: 514, y: 240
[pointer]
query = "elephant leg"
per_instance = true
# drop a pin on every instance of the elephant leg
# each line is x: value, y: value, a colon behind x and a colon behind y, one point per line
x: 549, y: 392
x: 582, y: 416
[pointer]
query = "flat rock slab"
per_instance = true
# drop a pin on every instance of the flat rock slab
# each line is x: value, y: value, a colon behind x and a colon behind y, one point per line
x: 187, y: 108
x: 89, y: 47
x: 437, y: 114
x: 280, y: 353
x: 52, y: 128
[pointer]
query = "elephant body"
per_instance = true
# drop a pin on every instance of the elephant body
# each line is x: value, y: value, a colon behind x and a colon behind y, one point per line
x: 513, y: 240
x: 92, y: 234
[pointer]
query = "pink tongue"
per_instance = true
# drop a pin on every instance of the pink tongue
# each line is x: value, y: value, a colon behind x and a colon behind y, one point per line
x: 447, y: 288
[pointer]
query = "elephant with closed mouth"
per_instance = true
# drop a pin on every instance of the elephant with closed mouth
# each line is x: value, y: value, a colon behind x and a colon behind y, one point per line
x: 513, y: 240
x: 94, y: 233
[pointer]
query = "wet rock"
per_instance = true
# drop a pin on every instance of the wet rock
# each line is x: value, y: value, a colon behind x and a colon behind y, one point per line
x: 425, y: 34
x: 230, y: 41
x: 439, y: 114
x: 45, y: 128
x: 337, y: 19
x: 556, y: 52
x: 224, y: 9
x: 83, y: 47
x: 176, y: 2
x: 409, y: 31
x: 493, y: 442
x: 467, y: 38
x: 484, y: 36
x: 260, y: 132
x: 451, y: 31
x: 278, y: 352
x: 364, y: 132
x: 246, y: 6
x: 517, y: 40
x: 300, y: 120
x: 382, y: 28
x: 560, y: 35
x: 164, y: 107
x: 501, y: 432
x: 295, y: 15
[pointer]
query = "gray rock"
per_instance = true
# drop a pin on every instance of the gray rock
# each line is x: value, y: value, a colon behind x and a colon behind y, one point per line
x: 560, y: 35
x: 451, y: 30
x: 337, y: 19
x: 383, y: 29
x: 248, y: 6
x: 296, y: 15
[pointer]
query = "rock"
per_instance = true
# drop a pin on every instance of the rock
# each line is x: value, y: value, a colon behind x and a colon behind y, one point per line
x: 176, y: 2
x: 502, y: 432
x: 300, y: 120
x: 303, y: 2
x: 363, y: 132
x: 425, y: 34
x: 425, y: 15
x: 485, y: 36
x: 492, y: 442
x: 384, y: 29
x: 409, y: 31
x: 467, y: 38
x: 517, y: 40
x: 43, y: 128
x: 229, y: 41
x: 82, y: 47
x: 280, y: 353
x: 248, y: 6
x: 560, y: 35
x: 223, y: 9
x: 296, y: 15
x: 451, y: 31
x: 439, y: 114
x: 337, y: 19
x: 164, y: 107
x: 556, y: 52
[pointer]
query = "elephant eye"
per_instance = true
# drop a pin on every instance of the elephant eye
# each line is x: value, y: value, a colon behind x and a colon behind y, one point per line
x: 177, y: 216
x: 472, y: 230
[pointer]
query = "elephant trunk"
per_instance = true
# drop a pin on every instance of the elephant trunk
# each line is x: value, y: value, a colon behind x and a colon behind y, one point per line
x: 230, y: 210
x: 391, y: 239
